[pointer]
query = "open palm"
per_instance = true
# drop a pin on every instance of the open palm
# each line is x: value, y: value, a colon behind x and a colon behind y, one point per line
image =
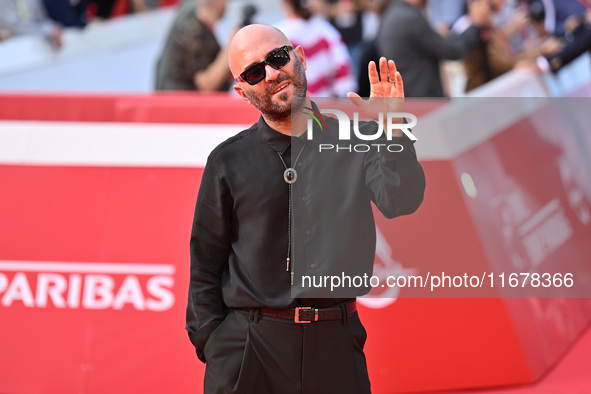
x: 387, y: 90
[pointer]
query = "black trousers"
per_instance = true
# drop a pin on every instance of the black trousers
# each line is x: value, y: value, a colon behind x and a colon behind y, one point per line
x: 250, y: 354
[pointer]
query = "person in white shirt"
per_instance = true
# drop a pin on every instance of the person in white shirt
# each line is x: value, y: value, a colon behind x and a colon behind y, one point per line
x: 330, y: 68
x: 21, y: 17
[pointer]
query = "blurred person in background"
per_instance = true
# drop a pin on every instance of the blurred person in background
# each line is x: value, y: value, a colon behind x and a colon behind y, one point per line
x: 78, y: 13
x: 406, y: 37
x: 513, y: 20
x: 494, y: 55
x: 192, y: 58
x: 369, y: 51
x: 100, y: 10
x: 330, y: 68
x: 558, y: 14
x: 67, y: 13
x: 347, y: 17
x: 136, y: 6
x: 565, y: 19
x: 143, y: 5
x: 28, y: 17
x: 443, y: 14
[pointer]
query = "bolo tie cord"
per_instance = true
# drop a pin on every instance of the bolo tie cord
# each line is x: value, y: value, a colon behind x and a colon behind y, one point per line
x: 290, y: 176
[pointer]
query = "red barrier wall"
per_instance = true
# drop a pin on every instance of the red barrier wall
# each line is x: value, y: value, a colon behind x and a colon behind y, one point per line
x: 95, y: 327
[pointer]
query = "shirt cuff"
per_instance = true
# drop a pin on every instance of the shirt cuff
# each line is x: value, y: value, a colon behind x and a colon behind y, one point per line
x: 199, y: 338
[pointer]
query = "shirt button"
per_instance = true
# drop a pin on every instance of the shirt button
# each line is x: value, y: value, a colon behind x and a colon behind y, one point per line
x: 300, y: 164
x: 313, y: 266
x: 304, y: 198
x: 308, y: 232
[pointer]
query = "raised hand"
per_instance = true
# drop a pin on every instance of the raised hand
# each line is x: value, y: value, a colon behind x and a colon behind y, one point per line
x: 386, y: 92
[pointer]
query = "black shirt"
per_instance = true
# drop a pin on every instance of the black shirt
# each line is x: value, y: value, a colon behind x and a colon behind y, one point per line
x: 239, y: 239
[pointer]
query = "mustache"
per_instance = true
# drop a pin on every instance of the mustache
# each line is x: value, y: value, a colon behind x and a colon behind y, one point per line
x: 280, y: 79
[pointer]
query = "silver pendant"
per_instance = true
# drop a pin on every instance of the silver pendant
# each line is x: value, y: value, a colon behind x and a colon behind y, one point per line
x: 290, y: 175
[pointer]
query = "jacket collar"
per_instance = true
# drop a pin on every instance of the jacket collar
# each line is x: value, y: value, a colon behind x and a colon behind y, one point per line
x: 280, y: 142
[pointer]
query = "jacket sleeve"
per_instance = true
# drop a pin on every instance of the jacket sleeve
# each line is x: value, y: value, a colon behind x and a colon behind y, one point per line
x: 452, y: 47
x: 580, y: 42
x: 395, y: 179
x: 209, y: 248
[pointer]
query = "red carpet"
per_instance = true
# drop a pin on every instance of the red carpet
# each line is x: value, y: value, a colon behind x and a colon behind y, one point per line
x: 571, y: 375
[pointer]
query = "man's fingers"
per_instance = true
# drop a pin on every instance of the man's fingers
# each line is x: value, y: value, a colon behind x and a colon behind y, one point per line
x: 389, y: 74
x: 399, y: 82
x: 392, y: 69
x: 373, y: 73
x: 383, y: 69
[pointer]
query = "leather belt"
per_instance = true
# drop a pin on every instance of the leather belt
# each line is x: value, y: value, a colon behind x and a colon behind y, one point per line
x: 308, y: 314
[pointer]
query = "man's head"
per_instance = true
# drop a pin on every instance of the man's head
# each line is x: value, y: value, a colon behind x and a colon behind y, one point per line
x: 272, y: 95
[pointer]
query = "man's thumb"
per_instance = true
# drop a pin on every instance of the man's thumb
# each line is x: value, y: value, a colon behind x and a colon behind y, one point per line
x: 357, y: 100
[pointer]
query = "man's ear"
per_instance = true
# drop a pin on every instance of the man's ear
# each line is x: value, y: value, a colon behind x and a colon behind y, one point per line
x: 241, y: 93
x: 299, y: 51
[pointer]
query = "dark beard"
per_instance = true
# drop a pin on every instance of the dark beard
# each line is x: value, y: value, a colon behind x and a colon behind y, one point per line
x: 282, y: 110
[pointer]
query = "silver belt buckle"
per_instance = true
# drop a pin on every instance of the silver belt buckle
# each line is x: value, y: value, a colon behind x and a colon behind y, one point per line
x: 297, y: 314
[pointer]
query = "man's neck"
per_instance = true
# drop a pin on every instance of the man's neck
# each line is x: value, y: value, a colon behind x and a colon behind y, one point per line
x: 295, y: 125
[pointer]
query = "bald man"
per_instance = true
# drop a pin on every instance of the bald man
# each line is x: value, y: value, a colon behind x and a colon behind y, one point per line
x: 264, y: 217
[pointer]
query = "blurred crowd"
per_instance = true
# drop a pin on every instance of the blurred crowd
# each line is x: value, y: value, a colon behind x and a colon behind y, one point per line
x: 48, y: 18
x: 484, y: 38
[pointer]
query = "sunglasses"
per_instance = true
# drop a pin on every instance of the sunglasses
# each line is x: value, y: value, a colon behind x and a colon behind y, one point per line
x: 256, y: 73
